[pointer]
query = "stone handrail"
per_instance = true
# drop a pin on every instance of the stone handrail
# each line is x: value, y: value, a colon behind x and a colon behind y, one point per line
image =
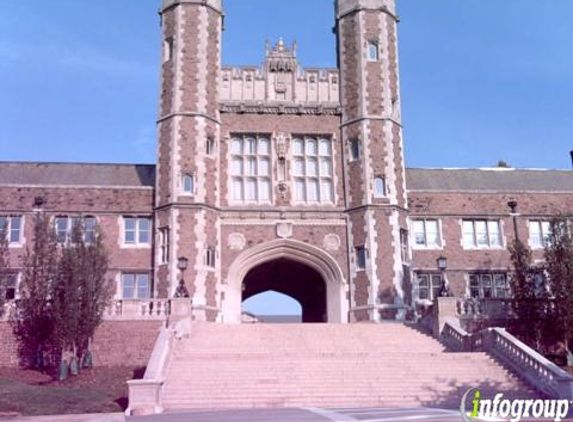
x: 491, y: 307
x: 540, y: 372
x: 140, y: 309
x: 145, y: 394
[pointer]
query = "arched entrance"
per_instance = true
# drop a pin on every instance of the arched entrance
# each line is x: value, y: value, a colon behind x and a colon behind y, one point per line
x: 297, y: 269
x: 291, y: 278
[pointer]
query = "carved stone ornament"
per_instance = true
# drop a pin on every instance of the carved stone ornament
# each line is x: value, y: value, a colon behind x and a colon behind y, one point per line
x: 237, y: 242
x: 331, y: 242
x: 284, y: 230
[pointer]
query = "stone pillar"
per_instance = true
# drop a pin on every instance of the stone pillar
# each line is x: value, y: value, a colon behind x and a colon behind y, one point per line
x: 445, y: 310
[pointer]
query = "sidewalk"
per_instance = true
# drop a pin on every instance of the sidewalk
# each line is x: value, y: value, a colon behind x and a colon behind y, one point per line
x: 112, y: 417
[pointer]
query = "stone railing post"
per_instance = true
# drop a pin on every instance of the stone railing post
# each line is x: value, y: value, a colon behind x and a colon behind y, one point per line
x: 445, y: 308
x: 180, y: 309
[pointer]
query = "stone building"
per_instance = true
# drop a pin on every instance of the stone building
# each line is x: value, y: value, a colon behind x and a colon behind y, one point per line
x: 284, y: 178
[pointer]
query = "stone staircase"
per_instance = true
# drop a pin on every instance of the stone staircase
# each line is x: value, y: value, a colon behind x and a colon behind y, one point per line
x: 324, y: 365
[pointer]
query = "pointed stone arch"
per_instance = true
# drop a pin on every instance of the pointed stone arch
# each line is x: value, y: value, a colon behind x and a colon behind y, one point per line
x: 313, y: 257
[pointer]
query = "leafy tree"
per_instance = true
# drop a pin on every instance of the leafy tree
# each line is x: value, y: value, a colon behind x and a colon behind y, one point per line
x: 559, y: 267
x: 502, y: 164
x: 530, y: 300
x: 81, y: 292
x: 34, y: 325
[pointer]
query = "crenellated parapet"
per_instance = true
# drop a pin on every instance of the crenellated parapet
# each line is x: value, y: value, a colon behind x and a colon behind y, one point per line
x: 280, y: 80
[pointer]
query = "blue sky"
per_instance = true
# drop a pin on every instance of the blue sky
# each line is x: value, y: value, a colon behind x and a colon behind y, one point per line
x: 481, y: 80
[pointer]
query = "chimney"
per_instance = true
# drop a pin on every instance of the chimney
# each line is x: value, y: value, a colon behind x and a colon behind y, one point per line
x: 571, y: 152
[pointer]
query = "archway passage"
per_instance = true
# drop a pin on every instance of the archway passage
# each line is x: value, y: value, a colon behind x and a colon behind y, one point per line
x: 294, y: 279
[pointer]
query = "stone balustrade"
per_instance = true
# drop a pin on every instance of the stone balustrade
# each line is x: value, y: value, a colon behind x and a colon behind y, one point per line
x: 124, y: 310
x: 484, y: 308
x: 143, y: 309
x: 543, y: 374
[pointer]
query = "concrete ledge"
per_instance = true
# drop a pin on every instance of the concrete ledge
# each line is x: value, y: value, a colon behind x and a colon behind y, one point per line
x: 144, y: 397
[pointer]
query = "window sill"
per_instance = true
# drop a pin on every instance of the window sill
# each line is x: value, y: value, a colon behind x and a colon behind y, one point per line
x: 16, y: 245
x: 135, y: 246
x: 484, y: 248
x: 427, y: 248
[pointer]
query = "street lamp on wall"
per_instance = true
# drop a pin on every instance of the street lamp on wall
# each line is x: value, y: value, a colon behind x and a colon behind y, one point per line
x: 442, y: 262
x: 513, y: 212
x: 182, y: 263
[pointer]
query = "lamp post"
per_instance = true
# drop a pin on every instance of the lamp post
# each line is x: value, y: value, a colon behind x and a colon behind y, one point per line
x: 513, y: 213
x: 442, y: 262
x: 182, y: 263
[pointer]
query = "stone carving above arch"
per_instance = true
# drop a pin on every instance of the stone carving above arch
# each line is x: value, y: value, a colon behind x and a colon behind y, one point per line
x: 284, y: 230
x: 237, y: 241
x: 331, y: 242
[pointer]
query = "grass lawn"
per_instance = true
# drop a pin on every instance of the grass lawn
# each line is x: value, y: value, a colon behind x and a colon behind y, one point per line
x: 30, y: 393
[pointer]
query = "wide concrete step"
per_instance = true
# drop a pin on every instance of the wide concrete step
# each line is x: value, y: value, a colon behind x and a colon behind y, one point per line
x: 246, y: 366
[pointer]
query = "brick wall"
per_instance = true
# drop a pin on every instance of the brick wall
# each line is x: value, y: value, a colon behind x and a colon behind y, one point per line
x: 115, y: 343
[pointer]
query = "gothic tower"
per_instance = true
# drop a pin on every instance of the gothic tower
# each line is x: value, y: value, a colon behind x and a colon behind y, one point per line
x: 187, y: 197
x: 371, y: 128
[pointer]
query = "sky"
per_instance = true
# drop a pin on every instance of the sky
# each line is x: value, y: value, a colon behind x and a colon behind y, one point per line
x: 482, y: 81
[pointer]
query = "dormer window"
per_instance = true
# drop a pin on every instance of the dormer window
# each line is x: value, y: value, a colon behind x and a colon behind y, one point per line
x: 373, y: 51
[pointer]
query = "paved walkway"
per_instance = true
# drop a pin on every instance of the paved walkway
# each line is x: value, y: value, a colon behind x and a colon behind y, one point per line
x: 307, y: 415
x: 114, y: 417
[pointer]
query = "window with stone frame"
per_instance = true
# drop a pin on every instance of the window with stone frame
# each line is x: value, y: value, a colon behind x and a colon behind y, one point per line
x: 136, y: 231
x: 373, y: 51
x: 379, y: 187
x: 354, y: 147
x: 489, y: 285
x: 135, y: 286
x: 250, y: 169
x: 428, y: 285
x: 188, y: 184
x: 361, y: 255
x: 210, y: 256
x: 168, y: 49
x: 539, y: 233
x: 427, y: 233
x: 11, y: 287
x: 312, y: 170
x: 482, y: 234
x: 66, y: 225
x: 404, y: 246
x: 210, y: 146
x: 164, y: 245
x: 11, y: 228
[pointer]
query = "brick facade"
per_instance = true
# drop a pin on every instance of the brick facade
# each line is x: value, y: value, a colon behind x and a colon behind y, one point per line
x: 240, y: 202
